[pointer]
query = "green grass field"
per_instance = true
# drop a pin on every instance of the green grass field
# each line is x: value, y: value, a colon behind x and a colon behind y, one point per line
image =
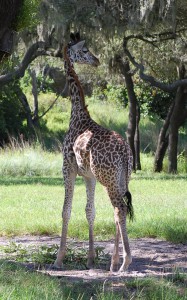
x: 32, y: 205
x: 32, y: 194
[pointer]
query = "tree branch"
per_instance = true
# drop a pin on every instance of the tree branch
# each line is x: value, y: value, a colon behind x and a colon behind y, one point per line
x: 157, y: 37
x: 36, y: 50
x: 148, y: 78
x: 53, y: 103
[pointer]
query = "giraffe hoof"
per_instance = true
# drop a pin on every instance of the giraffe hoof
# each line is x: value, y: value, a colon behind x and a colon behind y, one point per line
x: 123, y: 269
x: 114, y: 268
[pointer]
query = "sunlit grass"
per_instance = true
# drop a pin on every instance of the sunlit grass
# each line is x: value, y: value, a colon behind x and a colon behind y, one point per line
x: 29, y: 161
x: 34, y: 205
x: 32, y: 195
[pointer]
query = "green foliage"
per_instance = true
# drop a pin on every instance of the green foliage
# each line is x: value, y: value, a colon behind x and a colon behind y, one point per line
x: 165, y: 288
x: 25, y: 83
x: 12, y: 115
x: 153, y: 102
x: 76, y: 257
x: 23, y: 160
x: 29, y: 14
x: 116, y: 94
x: 182, y: 162
x: 43, y: 85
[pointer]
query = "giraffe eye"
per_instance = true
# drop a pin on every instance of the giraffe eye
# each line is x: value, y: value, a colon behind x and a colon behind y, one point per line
x: 85, y: 50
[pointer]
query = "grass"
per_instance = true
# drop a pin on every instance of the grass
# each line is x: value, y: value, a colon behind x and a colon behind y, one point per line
x: 32, y: 194
x: 40, y: 256
x: 29, y: 161
x: 32, y: 205
x: 31, y: 197
x: 17, y: 283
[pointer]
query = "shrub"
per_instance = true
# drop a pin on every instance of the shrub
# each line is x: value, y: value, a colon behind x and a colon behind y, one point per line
x: 12, y: 115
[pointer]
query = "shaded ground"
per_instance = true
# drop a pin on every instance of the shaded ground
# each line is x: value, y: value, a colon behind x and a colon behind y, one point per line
x: 151, y: 257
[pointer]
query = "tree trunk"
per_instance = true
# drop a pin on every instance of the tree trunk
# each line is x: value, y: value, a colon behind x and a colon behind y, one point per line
x: 35, y: 118
x: 177, y: 119
x: 132, y: 125
x: 9, y: 10
x: 35, y: 96
x: 162, y: 142
x: 23, y: 99
x: 172, y: 153
x: 137, y: 139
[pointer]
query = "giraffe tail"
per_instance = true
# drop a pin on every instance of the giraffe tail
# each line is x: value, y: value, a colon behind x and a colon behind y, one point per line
x: 128, y: 201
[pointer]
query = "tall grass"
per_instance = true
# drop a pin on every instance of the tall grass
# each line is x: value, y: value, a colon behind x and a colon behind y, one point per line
x: 31, y: 160
x: 27, y: 160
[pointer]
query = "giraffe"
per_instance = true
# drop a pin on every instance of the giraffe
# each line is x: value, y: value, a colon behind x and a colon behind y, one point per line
x: 95, y: 153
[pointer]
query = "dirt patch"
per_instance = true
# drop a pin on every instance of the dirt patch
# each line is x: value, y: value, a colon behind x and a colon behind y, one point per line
x: 151, y: 257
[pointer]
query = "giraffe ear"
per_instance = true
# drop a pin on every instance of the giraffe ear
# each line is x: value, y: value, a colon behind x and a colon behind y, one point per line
x: 77, y: 37
x: 78, y: 46
x: 72, y: 36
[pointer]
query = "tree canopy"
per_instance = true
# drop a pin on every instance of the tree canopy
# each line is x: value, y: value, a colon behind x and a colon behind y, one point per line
x: 150, y: 33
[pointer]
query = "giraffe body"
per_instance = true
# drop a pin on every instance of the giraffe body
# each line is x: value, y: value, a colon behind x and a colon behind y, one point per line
x: 96, y: 153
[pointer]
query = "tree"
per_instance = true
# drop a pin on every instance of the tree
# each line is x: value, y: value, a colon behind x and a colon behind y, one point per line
x: 104, y: 22
x: 134, y: 113
x: 177, y: 113
x: 9, y: 11
x: 14, y: 16
x: 150, y: 21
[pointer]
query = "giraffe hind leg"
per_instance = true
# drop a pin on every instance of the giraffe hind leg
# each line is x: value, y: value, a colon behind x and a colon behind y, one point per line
x: 69, y: 181
x: 115, y: 256
x: 120, y: 209
x: 90, y: 215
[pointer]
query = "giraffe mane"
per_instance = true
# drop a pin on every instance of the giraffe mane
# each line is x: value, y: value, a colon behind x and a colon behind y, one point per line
x: 85, y: 107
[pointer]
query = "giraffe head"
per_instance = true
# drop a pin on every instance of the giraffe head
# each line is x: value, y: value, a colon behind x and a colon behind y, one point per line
x: 79, y: 53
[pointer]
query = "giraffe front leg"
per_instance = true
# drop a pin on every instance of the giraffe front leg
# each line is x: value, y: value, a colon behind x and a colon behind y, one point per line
x: 90, y: 215
x: 69, y: 181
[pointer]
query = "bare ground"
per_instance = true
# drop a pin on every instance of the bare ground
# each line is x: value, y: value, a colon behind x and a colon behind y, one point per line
x: 151, y: 257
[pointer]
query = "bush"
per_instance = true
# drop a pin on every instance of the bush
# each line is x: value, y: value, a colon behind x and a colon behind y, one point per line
x: 153, y: 102
x: 12, y: 115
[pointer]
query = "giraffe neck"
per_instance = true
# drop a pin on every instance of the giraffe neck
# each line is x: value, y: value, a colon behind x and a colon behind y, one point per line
x: 75, y: 88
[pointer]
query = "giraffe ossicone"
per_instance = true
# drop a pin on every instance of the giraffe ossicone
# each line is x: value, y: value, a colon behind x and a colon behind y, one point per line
x: 96, y: 153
